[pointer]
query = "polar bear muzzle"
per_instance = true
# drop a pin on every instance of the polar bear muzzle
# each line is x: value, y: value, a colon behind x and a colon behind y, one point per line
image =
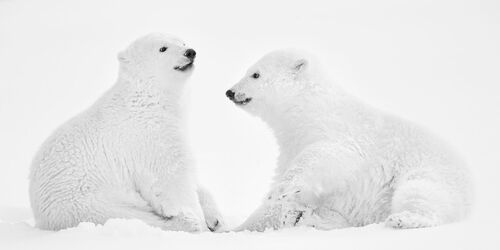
x: 239, y: 98
x: 190, y: 54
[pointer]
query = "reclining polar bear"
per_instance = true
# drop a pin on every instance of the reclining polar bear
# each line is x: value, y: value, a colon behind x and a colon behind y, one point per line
x: 343, y: 163
x: 126, y: 156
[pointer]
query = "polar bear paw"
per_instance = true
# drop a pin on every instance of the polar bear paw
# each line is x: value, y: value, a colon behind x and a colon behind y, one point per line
x: 294, y: 214
x: 214, y: 222
x: 292, y: 218
x: 406, y: 220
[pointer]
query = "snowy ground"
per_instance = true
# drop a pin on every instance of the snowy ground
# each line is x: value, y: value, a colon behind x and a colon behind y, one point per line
x: 120, y: 234
x: 434, y: 62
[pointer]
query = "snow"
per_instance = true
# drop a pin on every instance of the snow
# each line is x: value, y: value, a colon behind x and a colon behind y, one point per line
x: 433, y: 62
x: 134, y: 234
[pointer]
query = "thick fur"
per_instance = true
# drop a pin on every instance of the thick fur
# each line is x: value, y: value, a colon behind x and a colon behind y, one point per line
x: 126, y: 156
x: 344, y: 163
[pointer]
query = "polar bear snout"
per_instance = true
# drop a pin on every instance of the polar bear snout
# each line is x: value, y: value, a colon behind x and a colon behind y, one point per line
x: 230, y: 94
x: 238, y: 98
x: 190, y: 53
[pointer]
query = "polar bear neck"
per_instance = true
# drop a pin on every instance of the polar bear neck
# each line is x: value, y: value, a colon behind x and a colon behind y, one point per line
x: 147, y: 100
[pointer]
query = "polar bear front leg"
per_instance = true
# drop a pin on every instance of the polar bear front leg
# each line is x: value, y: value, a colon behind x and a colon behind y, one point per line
x: 283, y: 206
x: 295, y: 198
x: 272, y: 215
x: 318, y: 171
x: 213, y: 217
x: 291, y: 200
x: 173, y: 197
x: 181, y: 206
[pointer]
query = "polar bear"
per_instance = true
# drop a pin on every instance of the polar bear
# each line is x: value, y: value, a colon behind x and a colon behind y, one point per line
x: 343, y: 163
x: 126, y: 156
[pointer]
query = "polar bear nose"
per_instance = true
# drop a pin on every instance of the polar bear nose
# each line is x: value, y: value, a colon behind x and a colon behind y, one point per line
x: 230, y: 94
x: 190, y: 53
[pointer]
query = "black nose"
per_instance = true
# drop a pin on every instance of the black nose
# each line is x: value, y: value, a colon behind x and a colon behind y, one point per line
x: 230, y: 94
x: 190, y: 53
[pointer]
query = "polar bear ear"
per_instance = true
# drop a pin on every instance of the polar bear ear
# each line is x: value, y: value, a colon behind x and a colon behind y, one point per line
x: 300, y: 65
x: 123, y: 56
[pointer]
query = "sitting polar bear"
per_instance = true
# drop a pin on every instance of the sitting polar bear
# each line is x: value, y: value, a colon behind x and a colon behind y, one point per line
x: 343, y: 163
x: 126, y: 156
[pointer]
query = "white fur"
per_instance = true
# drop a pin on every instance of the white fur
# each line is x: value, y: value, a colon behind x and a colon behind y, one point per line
x: 343, y: 163
x: 126, y: 156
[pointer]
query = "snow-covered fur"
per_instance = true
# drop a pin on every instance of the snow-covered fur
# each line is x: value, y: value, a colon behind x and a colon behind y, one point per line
x: 343, y: 163
x: 126, y: 156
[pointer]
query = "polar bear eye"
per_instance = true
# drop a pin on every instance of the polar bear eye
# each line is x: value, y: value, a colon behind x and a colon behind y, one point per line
x: 163, y: 49
x: 255, y: 75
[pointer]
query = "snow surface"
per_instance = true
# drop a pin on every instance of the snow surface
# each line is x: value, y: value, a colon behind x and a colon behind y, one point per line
x: 134, y: 234
x: 433, y: 62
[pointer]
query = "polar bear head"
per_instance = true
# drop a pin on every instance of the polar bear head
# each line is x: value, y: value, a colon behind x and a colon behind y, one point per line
x: 274, y: 83
x: 157, y: 56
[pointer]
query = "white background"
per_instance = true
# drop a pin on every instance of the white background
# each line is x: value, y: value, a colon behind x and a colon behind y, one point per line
x: 433, y: 62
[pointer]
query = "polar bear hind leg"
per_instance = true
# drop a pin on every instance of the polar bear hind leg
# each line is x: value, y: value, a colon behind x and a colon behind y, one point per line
x: 132, y: 206
x: 422, y: 200
x: 98, y: 211
x: 148, y: 216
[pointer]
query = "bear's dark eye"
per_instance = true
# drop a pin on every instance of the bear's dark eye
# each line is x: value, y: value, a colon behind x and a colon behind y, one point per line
x: 255, y: 75
x: 163, y: 49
